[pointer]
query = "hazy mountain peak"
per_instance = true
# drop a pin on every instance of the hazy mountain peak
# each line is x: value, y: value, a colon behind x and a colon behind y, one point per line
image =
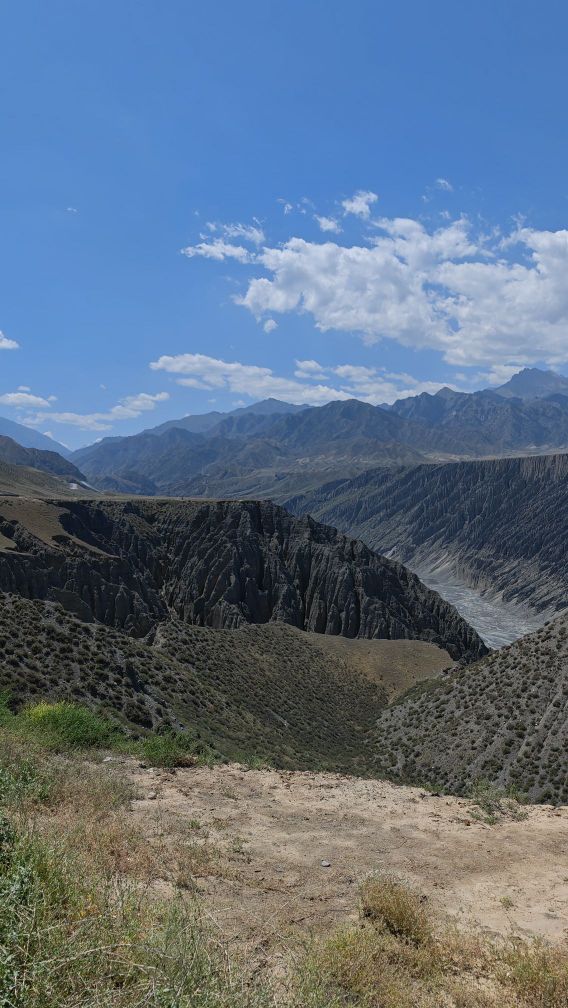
x: 268, y: 406
x: 533, y: 383
x: 29, y: 438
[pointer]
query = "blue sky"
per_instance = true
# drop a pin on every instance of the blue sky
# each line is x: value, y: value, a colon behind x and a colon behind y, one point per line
x: 255, y: 136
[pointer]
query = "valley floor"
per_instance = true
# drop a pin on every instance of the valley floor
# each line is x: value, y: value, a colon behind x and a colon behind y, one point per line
x: 498, y: 623
x: 277, y: 853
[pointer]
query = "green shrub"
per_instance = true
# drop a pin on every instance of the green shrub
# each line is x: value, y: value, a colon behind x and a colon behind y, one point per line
x: 170, y: 749
x: 165, y: 751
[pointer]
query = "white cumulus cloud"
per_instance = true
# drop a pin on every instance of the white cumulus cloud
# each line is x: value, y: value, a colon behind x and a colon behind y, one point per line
x: 479, y: 300
x: 360, y: 203
x: 25, y: 399
x: 7, y: 344
x: 329, y: 224
x: 270, y: 325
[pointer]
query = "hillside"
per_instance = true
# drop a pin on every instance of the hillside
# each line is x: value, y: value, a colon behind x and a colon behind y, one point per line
x: 259, y: 690
x: 36, y: 458
x: 29, y: 438
x: 24, y: 481
x: 241, y: 887
x: 496, y: 525
x: 132, y: 564
x: 504, y: 719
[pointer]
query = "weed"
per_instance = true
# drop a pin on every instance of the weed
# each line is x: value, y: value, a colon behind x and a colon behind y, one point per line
x: 389, y: 904
x: 494, y: 803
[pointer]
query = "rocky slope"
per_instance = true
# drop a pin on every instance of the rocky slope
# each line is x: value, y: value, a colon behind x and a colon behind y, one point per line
x: 132, y: 564
x: 503, y: 719
x: 497, y: 525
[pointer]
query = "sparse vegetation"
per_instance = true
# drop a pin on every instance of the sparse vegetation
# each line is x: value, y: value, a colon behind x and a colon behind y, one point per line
x: 494, y: 803
x: 80, y: 928
x: 252, y: 695
x: 495, y: 731
x: 402, y: 957
x: 396, y: 908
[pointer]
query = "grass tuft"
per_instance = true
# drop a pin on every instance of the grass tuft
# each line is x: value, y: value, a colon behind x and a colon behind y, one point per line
x: 389, y: 904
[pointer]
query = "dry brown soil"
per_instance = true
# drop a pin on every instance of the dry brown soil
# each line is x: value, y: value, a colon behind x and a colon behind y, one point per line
x: 256, y: 842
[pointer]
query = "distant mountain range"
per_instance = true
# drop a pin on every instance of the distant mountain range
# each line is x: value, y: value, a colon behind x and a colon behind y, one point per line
x: 253, y: 454
x: 199, y: 423
x: 277, y: 450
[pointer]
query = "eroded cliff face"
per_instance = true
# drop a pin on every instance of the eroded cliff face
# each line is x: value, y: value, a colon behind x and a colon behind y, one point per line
x: 130, y: 564
x: 499, y: 526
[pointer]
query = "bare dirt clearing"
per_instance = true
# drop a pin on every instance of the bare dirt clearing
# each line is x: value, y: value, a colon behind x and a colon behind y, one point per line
x: 273, y: 853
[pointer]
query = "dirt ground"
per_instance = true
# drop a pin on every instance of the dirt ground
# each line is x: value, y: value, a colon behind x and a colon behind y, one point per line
x: 277, y: 854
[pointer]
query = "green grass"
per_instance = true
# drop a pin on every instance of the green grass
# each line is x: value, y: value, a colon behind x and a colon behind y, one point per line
x: 64, y: 727
x: 67, y: 940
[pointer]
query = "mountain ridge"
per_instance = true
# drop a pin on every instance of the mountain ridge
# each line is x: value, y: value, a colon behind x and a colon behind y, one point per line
x: 276, y: 450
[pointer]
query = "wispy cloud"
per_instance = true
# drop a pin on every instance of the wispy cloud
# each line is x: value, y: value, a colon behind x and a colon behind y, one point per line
x: 126, y: 409
x: 313, y: 383
x: 253, y: 233
x: 218, y: 249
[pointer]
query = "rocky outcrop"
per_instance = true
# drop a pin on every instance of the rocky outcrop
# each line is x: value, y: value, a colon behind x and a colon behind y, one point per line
x: 130, y: 564
x: 499, y: 525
